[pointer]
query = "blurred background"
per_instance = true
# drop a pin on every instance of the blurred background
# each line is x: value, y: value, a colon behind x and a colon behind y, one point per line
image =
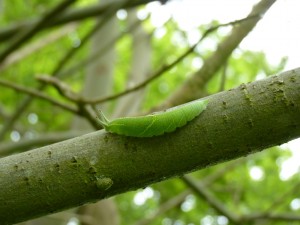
x: 56, y: 54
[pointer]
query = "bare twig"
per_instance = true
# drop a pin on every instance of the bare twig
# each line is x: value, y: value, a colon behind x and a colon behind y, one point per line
x: 88, y: 113
x: 108, y: 14
x: 26, y: 102
x: 164, y: 68
x: 193, y: 87
x: 157, y: 74
x: 164, y: 207
x: 37, y: 94
x: 283, y: 197
x: 223, y: 77
x: 178, y: 199
x: 3, y: 112
x: 62, y: 88
x: 202, y: 191
x: 77, y: 98
x: 95, y: 56
x: 271, y: 216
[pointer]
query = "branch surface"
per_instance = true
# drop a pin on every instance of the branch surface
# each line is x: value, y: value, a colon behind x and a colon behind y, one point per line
x: 236, y: 123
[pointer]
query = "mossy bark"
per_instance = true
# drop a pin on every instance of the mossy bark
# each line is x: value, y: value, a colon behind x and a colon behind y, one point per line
x: 85, y: 169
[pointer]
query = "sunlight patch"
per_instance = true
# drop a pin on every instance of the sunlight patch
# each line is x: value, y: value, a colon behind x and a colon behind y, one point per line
x: 32, y: 118
x: 291, y: 166
x: 15, y: 136
x: 121, y: 14
x: 256, y: 173
x: 295, y: 204
x: 188, y: 204
x: 142, y: 196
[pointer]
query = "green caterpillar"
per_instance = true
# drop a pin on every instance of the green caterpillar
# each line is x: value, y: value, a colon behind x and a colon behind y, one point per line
x: 154, y: 124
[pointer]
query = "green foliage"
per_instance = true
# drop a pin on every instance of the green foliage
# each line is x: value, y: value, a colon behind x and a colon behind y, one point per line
x: 42, y: 62
x: 236, y: 189
x: 244, y: 66
x: 166, y: 51
x: 18, y: 10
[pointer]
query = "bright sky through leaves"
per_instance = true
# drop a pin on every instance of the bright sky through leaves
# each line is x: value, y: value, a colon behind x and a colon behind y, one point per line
x: 277, y: 35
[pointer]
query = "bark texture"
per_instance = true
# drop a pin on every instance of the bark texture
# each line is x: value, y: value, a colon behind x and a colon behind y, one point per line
x: 85, y: 169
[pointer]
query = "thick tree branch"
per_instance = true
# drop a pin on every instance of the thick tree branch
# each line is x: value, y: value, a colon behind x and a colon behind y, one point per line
x: 8, y: 148
x: 236, y: 123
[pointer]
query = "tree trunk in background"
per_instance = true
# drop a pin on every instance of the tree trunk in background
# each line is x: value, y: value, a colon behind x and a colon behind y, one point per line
x: 139, y: 69
x: 98, y: 83
x: 99, y: 74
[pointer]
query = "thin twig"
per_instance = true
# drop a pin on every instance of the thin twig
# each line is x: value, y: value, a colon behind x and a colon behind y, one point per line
x: 164, y: 207
x: 283, y: 197
x: 3, y: 114
x: 26, y: 102
x: 179, y: 198
x: 96, y: 55
x: 88, y: 112
x: 75, y: 97
x: 193, y: 87
x: 223, y: 77
x: 62, y: 88
x: 37, y: 94
x: 35, y: 28
x: 270, y: 216
x: 106, y: 16
x: 202, y: 191
x: 9, y: 123
x: 164, y: 68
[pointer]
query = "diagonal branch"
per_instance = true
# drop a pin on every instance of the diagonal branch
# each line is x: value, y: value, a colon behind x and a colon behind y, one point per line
x: 178, y: 199
x: 27, y: 100
x: 194, y: 86
x: 204, y: 193
x: 236, y: 123
x: 291, y: 217
x: 37, y: 94
x: 92, y: 58
x: 67, y: 93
